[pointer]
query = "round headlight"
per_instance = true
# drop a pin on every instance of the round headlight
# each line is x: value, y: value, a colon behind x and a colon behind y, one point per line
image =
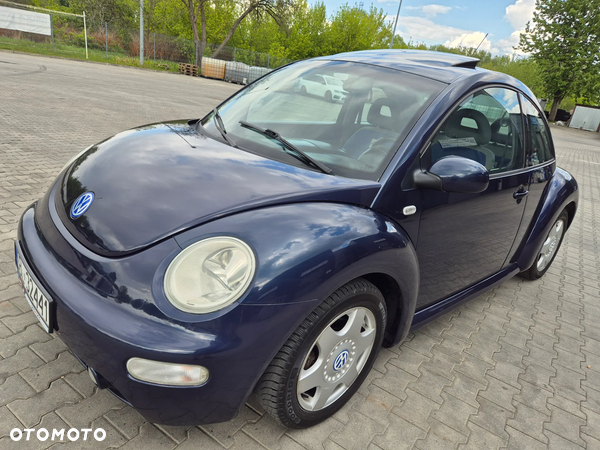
x: 209, y: 275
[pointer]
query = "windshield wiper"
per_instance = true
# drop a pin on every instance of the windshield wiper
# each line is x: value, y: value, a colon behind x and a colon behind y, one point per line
x: 221, y: 127
x: 299, y: 154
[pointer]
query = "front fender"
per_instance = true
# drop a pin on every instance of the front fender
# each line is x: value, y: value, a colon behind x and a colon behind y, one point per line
x: 305, y: 251
x: 561, y: 192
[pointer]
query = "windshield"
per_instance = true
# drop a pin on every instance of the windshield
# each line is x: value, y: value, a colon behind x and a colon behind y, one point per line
x: 351, y: 117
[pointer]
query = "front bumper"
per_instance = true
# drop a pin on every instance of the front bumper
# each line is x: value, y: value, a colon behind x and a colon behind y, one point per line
x: 106, y: 314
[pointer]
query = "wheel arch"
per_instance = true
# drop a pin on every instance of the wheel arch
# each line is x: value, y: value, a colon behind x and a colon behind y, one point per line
x: 571, y: 209
x: 394, y: 300
x: 562, y: 194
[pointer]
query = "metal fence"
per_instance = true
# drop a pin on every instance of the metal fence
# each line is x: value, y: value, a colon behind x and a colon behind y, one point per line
x: 110, y: 43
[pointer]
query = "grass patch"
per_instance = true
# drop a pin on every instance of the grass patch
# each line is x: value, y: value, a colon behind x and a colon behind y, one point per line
x: 75, y: 52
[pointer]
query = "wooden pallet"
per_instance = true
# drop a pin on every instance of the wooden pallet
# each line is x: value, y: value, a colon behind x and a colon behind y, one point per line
x: 188, y: 69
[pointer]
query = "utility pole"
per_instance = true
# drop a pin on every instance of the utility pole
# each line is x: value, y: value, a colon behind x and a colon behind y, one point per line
x: 395, y: 24
x: 85, y: 34
x: 141, y: 32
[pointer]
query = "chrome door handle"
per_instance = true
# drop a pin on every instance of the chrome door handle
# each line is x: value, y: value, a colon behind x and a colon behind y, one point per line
x: 520, y: 194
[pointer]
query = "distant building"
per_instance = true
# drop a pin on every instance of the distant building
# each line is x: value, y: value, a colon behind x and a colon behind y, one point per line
x: 586, y: 118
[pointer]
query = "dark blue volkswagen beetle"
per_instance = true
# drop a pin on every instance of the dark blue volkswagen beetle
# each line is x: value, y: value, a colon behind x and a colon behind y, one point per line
x: 274, y: 245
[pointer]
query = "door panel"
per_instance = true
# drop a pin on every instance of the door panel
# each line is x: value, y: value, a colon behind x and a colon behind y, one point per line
x: 464, y: 238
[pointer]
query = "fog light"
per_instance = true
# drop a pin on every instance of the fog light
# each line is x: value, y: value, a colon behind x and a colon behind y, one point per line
x: 167, y: 373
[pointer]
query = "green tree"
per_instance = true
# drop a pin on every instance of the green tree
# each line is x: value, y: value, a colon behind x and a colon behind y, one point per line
x: 202, y: 11
x: 353, y: 29
x: 195, y: 9
x: 259, y: 33
x: 564, y: 41
x: 121, y: 13
x: 588, y: 89
x: 307, y: 30
x: 524, y: 69
x: 272, y: 8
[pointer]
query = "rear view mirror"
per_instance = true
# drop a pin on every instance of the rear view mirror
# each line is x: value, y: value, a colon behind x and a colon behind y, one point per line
x: 454, y: 174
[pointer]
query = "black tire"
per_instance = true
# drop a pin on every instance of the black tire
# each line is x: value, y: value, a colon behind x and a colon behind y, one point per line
x: 277, y: 390
x: 303, y: 90
x: 541, y: 266
x: 328, y: 96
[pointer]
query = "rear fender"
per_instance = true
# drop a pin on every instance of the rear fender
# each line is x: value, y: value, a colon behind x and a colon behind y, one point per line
x: 561, y: 193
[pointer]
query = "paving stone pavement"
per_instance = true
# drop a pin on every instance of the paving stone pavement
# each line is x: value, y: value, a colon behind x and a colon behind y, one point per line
x: 516, y: 368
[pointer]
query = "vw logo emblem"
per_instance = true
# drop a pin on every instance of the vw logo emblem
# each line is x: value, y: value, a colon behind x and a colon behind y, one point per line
x: 81, y: 205
x: 340, y: 360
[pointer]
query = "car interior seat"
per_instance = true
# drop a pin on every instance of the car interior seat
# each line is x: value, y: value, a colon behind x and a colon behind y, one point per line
x: 382, y: 119
x: 501, y: 142
x: 466, y: 132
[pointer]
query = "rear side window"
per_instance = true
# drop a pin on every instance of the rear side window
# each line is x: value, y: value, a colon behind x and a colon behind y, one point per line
x: 538, y: 136
x: 487, y: 128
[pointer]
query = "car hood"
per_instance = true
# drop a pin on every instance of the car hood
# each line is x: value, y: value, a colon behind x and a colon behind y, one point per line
x: 152, y: 182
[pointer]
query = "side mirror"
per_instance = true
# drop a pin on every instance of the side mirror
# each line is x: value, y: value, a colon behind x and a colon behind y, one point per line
x: 454, y: 174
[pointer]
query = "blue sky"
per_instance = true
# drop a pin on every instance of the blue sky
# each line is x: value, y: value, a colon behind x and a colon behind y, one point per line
x: 455, y: 22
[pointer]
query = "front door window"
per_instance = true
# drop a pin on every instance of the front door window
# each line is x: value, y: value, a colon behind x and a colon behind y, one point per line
x: 487, y: 128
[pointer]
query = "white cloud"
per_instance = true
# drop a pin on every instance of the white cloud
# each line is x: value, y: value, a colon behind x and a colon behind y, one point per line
x: 507, y: 46
x: 519, y: 13
x: 429, y: 10
x: 472, y: 40
x: 434, y: 10
x: 424, y: 29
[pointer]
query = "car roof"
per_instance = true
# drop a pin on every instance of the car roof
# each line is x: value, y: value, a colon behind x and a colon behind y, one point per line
x: 445, y: 67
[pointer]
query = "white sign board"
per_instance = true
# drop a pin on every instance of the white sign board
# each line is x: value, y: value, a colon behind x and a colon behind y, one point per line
x: 31, y: 22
